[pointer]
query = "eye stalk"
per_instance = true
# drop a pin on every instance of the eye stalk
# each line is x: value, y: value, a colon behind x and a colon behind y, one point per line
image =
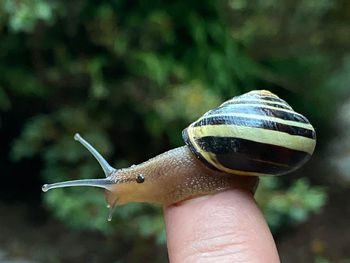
x: 107, y: 169
x: 102, y: 183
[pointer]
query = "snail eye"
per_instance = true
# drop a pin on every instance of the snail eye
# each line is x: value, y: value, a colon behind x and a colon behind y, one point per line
x: 140, y: 178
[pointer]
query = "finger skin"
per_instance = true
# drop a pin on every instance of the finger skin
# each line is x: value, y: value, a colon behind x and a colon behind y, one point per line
x: 225, y: 227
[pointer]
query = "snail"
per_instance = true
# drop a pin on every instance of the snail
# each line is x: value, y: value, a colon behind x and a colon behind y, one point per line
x: 251, y: 135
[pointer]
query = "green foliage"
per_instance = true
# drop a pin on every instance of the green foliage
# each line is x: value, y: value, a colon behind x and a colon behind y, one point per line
x: 130, y: 75
x: 321, y: 259
x: 24, y: 15
x: 289, y: 206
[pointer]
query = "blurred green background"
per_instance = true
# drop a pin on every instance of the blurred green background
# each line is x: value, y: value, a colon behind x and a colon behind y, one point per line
x: 129, y: 76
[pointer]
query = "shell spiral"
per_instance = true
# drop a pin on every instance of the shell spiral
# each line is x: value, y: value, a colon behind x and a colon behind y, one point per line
x: 256, y: 134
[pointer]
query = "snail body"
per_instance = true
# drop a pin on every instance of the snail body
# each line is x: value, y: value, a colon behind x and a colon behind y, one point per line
x: 255, y: 134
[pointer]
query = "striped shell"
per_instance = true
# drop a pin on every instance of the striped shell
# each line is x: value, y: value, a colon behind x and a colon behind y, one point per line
x: 256, y: 133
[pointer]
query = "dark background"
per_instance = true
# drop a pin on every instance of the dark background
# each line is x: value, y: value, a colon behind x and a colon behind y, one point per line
x: 129, y: 76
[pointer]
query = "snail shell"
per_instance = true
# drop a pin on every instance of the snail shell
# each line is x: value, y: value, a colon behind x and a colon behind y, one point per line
x: 256, y: 133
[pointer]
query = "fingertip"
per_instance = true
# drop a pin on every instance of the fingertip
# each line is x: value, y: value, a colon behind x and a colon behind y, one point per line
x: 227, y: 226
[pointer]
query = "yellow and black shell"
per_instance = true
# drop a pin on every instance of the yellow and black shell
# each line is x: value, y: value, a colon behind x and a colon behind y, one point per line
x: 256, y: 134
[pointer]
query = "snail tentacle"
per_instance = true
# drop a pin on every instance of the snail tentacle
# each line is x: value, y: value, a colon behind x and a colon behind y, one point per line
x: 102, y: 183
x: 107, y: 169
